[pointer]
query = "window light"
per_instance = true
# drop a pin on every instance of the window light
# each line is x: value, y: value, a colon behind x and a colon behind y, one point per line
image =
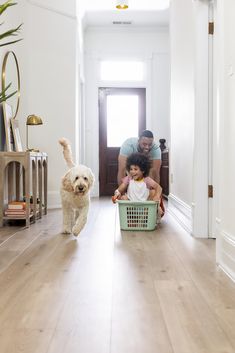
x: 122, y: 71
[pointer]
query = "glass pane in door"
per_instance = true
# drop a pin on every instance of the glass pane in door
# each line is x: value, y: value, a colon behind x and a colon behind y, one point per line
x: 122, y: 118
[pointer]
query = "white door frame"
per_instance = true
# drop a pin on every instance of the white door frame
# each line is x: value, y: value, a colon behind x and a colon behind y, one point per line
x: 200, y: 204
x: 218, y: 129
x: 211, y: 122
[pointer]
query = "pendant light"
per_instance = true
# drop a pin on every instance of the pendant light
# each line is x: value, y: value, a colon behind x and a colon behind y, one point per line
x: 122, y: 4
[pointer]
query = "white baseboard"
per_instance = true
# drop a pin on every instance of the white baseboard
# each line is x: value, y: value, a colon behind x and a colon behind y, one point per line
x: 181, y: 212
x: 227, y: 254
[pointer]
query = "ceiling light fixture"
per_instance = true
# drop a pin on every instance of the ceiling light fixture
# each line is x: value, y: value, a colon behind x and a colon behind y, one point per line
x: 122, y: 4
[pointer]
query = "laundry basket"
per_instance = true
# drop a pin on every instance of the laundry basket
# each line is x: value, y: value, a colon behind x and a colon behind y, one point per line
x: 137, y: 215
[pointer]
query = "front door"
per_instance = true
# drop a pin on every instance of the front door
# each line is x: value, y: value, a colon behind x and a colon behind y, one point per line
x: 122, y: 114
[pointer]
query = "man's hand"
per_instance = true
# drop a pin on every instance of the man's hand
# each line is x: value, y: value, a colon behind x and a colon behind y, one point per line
x: 155, y: 170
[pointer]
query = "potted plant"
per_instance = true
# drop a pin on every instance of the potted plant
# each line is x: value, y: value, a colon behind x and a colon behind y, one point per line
x: 6, y: 35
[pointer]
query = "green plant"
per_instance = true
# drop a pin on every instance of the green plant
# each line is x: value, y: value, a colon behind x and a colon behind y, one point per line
x: 10, y: 33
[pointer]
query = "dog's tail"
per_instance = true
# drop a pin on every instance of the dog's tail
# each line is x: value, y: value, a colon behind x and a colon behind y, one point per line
x: 67, y: 152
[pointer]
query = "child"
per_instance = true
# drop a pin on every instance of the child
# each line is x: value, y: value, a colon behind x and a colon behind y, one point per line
x: 138, y: 186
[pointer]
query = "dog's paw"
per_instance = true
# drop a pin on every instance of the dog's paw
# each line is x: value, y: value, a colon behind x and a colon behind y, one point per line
x: 76, y: 231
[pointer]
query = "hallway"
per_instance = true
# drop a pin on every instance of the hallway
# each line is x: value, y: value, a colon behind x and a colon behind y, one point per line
x: 111, y: 291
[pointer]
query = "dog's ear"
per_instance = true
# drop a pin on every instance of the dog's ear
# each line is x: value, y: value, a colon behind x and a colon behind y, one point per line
x: 66, y: 183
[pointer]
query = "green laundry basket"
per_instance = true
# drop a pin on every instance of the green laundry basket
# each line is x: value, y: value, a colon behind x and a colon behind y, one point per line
x: 137, y: 215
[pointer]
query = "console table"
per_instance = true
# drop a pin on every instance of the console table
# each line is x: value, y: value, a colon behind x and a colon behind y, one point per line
x: 23, y: 175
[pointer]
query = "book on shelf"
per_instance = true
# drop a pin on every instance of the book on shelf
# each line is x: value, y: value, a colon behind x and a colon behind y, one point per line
x: 16, y: 205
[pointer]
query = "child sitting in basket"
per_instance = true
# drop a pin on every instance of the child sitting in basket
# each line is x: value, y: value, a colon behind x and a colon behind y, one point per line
x: 138, y: 186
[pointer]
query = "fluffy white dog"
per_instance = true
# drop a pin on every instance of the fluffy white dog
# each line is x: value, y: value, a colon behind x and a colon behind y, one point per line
x: 74, y: 191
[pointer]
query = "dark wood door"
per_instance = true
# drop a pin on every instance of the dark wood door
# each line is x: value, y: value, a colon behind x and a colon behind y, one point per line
x: 122, y: 114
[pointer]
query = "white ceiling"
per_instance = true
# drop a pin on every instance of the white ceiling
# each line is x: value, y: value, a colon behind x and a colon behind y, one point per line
x: 140, y: 13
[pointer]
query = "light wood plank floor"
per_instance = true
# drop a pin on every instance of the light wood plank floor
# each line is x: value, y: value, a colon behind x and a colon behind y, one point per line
x: 112, y: 292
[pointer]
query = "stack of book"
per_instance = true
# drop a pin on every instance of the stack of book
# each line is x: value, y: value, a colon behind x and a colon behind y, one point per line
x: 15, y: 209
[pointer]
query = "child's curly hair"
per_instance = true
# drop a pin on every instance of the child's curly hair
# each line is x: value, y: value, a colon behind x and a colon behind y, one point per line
x: 141, y: 160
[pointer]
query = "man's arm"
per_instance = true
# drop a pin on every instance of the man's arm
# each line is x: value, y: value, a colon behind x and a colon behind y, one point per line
x: 155, y: 170
x: 121, y: 168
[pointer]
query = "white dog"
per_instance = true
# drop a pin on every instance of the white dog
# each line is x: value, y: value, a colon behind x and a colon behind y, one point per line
x: 75, y: 197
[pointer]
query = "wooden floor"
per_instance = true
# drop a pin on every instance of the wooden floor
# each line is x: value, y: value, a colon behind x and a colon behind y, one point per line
x: 110, y: 291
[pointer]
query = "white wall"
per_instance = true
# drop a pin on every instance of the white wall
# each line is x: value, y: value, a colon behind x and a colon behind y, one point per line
x: 51, y: 75
x: 225, y: 143
x: 49, y: 78
x: 188, y: 200
x: 59, y: 6
x: 150, y: 45
x: 182, y: 107
x: 12, y: 18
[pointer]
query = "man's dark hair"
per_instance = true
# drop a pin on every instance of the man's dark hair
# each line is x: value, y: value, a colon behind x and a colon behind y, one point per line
x: 146, y: 133
x: 141, y: 160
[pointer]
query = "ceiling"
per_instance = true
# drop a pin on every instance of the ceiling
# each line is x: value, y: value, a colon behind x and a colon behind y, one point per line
x: 145, y: 13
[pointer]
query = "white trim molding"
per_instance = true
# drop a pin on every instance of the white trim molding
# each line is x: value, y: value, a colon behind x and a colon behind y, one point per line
x: 181, y: 212
x: 227, y: 254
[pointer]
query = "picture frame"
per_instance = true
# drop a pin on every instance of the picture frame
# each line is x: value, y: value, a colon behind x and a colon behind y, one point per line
x: 16, y: 135
x: 7, y: 115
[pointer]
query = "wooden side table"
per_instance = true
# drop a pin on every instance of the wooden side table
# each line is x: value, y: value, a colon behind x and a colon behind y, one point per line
x: 23, y: 175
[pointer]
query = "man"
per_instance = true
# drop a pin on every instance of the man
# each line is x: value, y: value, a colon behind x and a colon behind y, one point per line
x: 144, y: 144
